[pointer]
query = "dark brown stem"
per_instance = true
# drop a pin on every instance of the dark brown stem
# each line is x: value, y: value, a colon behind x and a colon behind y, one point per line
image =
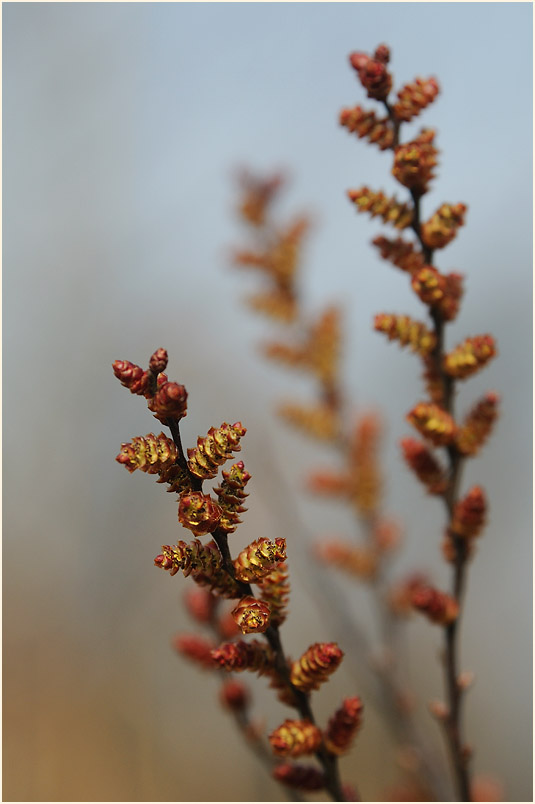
x: 181, y: 458
x: 452, y: 723
x: 417, y: 228
x: 396, y: 124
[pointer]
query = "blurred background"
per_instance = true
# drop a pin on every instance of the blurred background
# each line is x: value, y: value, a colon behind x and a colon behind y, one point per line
x: 123, y: 127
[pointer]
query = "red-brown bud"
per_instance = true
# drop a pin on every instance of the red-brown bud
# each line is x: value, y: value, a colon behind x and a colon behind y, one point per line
x: 150, y: 453
x: 196, y: 648
x: 343, y: 726
x: 429, y: 285
x: 439, y: 607
x: 169, y: 401
x: 131, y: 376
x: 275, y: 591
x: 407, y: 331
x: 198, y: 512
x: 358, y: 60
x: 367, y: 124
x: 231, y: 495
x: 382, y: 53
x: 295, y: 738
x: 315, y: 665
x: 158, y: 361
x: 469, y: 514
x: 375, y: 79
x: 251, y: 615
x: 300, y: 777
x: 234, y: 695
x: 424, y: 465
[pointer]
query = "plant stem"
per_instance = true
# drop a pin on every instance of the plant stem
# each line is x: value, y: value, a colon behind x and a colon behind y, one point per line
x: 452, y: 723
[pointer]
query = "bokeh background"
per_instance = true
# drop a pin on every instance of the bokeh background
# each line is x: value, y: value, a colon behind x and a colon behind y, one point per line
x: 123, y: 125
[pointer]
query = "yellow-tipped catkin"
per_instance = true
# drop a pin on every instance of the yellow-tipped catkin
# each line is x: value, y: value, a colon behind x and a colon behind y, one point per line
x: 442, y: 227
x: 315, y: 665
x: 478, y: 424
x: 295, y: 738
x: 231, y: 495
x: 259, y: 559
x: 320, y: 421
x: 433, y: 423
x: 366, y: 124
x: 275, y: 591
x: 400, y: 253
x: 202, y: 562
x: 215, y: 449
x: 470, y: 356
x: 389, y: 209
x: 407, y: 331
x: 361, y: 562
x: 276, y: 304
x: 414, y: 162
x: 150, y: 453
x: 414, y: 97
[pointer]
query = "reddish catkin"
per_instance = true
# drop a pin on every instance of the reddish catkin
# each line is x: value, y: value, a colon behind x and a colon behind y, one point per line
x: 275, y: 591
x: 433, y: 423
x: 231, y: 494
x: 295, y: 738
x: 442, y: 227
x: 234, y: 695
x: 469, y: 514
x: 195, y: 648
x: 400, y: 253
x: 259, y: 559
x: 453, y: 291
x: 300, y: 777
x: 438, y: 607
x: 414, y: 97
x: 252, y: 616
x: 407, y: 331
x: 315, y: 665
x: 238, y: 656
x: 215, y: 449
x: 277, y: 304
x: 200, y: 604
x: 470, y: 356
x: 343, y: 726
x: 389, y: 209
x: 478, y: 424
x: 365, y: 124
x: 198, y: 512
x: 424, y: 465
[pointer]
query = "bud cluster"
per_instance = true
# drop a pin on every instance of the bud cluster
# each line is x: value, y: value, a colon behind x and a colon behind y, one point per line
x: 198, y: 512
x: 433, y: 423
x: 231, y: 494
x: 236, y: 657
x: 414, y: 97
x: 365, y: 124
x: 202, y: 562
x: 414, y: 162
x: 389, y: 209
x: 407, y: 331
x: 373, y: 73
x: 343, y: 726
x: 252, y: 616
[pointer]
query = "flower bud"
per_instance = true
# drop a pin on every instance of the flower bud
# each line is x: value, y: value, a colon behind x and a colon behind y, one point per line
x: 169, y: 401
x: 158, y: 361
x: 433, y: 423
x: 470, y: 356
x: 315, y: 665
x: 469, y: 514
x: 343, y: 726
x: 131, y: 376
x: 300, y: 777
x: 439, y: 607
